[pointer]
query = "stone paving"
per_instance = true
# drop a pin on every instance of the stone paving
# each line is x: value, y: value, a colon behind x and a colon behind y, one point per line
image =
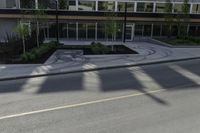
x: 68, y: 61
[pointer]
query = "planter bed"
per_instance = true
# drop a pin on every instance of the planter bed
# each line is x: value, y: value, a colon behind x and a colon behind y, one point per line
x: 87, y: 50
x: 180, y: 42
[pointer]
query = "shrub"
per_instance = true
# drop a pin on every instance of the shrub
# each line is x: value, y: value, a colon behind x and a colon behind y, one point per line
x: 25, y: 57
x: 99, y: 48
x: 37, y: 53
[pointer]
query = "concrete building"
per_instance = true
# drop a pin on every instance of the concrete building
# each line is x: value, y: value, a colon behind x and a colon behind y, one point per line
x: 84, y: 19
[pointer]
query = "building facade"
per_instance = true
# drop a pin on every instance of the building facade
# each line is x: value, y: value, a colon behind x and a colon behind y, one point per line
x: 86, y: 19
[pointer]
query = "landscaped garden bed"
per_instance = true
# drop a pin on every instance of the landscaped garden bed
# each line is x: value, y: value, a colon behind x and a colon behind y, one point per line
x: 38, y: 55
x: 181, y: 41
x: 100, y: 49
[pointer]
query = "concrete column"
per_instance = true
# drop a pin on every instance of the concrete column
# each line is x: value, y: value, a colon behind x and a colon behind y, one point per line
x: 135, y: 7
x: 173, y: 4
x: 191, y: 6
x: 116, y: 6
x: 96, y: 5
x: 76, y: 5
x: 17, y: 2
x: 154, y: 7
x: 36, y: 4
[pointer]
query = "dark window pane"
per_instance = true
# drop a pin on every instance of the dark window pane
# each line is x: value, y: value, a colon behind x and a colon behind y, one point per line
x: 86, y: 5
x: 27, y: 4
x: 101, y: 31
x: 147, y: 30
x: 91, y: 31
x: 138, y: 30
x: 156, y: 30
x: 82, y: 31
x: 72, y: 30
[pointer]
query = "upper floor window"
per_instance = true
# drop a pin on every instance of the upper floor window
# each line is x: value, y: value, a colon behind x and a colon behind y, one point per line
x: 144, y: 7
x: 160, y: 7
x: 7, y: 4
x: 71, y: 5
x: 27, y: 4
x: 106, y: 6
x: 130, y: 6
x: 196, y: 8
x: 87, y: 5
x: 47, y: 4
x: 177, y: 8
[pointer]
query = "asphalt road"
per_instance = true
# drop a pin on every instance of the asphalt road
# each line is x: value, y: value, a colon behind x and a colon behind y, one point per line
x: 151, y: 99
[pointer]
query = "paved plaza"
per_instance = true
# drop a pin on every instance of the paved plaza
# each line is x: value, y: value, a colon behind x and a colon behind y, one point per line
x: 63, y: 61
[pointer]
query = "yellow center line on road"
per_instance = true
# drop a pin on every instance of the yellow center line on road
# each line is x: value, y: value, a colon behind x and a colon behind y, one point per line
x: 79, y: 104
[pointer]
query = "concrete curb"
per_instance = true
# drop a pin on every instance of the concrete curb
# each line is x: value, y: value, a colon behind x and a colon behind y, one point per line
x: 158, y: 42
x: 96, y: 69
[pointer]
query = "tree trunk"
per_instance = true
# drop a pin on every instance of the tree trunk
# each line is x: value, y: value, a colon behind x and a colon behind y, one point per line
x: 112, y: 41
x: 37, y: 33
x: 24, y: 46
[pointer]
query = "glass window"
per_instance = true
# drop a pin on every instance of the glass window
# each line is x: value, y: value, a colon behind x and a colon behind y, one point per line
x: 47, y: 4
x: 121, y: 6
x: 86, y: 5
x: 198, y: 31
x: 192, y: 30
x: 63, y: 4
x: 147, y: 30
x: 27, y: 4
x: 63, y: 30
x: 196, y: 8
x: 82, y: 31
x: 174, y: 30
x: 91, y: 28
x: 119, y: 31
x: 101, y: 31
x: 160, y: 7
x: 177, y: 8
x: 52, y: 30
x: 72, y: 30
x: 144, y: 7
x: 7, y: 4
x: 71, y: 5
x: 165, y: 30
x: 139, y: 30
x: 106, y: 6
x: 156, y: 30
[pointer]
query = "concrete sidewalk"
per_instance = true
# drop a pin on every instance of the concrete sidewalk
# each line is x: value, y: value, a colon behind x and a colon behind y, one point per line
x: 60, y: 63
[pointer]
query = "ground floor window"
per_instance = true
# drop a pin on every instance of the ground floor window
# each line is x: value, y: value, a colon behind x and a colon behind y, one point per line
x: 156, y: 30
x: 97, y: 30
x: 91, y: 31
x: 139, y: 30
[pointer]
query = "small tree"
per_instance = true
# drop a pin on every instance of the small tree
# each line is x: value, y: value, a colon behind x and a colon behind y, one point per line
x: 23, y: 33
x: 185, y: 16
x: 111, y: 26
x: 182, y: 19
x: 38, y: 20
x: 168, y: 16
x: 62, y: 4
